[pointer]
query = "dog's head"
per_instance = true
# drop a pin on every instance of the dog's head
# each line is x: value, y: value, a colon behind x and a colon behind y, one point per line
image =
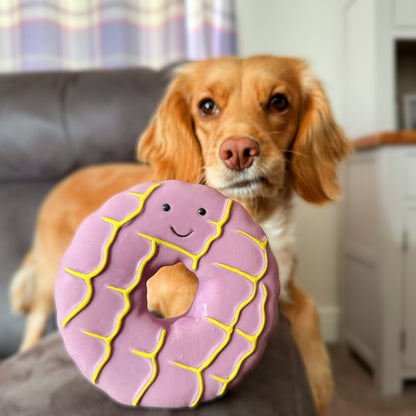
x: 248, y: 127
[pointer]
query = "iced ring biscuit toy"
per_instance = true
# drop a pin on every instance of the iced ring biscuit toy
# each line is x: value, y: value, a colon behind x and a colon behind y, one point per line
x: 136, y: 358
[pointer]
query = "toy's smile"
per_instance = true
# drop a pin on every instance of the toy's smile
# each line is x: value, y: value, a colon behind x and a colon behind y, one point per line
x: 182, y: 235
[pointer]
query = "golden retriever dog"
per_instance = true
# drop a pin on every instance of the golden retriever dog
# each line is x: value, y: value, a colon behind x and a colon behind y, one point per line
x: 257, y: 129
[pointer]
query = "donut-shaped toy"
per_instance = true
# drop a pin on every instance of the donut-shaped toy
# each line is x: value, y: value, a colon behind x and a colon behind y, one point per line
x: 135, y: 357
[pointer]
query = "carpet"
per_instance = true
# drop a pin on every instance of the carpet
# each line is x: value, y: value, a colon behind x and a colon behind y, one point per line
x: 356, y: 394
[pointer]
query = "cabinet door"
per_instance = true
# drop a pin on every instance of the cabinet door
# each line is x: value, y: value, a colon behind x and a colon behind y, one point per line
x: 410, y: 288
x: 404, y: 13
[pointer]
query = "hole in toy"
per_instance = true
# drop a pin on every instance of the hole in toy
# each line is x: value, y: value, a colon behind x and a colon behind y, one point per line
x: 171, y: 291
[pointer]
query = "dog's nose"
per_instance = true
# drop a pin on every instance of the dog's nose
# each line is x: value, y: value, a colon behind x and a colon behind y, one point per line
x: 238, y: 152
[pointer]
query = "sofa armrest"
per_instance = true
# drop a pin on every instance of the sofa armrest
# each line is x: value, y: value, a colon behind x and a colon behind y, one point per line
x: 44, y: 381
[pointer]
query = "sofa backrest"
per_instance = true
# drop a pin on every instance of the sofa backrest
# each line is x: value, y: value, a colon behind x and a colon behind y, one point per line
x: 52, y: 123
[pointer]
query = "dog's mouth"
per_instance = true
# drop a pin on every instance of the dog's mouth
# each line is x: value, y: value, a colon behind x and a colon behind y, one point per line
x: 247, y: 183
x: 242, y: 184
x: 181, y: 235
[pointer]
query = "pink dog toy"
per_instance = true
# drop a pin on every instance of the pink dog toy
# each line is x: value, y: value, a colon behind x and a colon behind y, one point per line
x: 101, y: 301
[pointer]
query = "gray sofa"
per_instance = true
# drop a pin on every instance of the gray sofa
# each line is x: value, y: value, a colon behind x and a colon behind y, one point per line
x: 50, y: 125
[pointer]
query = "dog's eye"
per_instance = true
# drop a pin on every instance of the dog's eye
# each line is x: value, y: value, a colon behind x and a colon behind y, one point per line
x: 208, y: 107
x: 279, y: 103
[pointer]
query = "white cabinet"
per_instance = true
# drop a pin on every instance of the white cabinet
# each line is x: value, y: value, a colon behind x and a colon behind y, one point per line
x: 378, y: 285
x: 376, y: 35
x: 409, y: 359
x: 378, y: 244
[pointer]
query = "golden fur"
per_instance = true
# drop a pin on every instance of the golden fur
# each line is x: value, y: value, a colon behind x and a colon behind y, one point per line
x: 299, y: 149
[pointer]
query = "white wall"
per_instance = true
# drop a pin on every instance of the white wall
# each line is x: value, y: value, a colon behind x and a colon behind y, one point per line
x: 312, y: 30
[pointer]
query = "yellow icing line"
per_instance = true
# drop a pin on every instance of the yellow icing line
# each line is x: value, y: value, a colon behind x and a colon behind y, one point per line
x: 126, y: 294
x: 222, y: 380
x: 196, y: 257
x: 87, y: 277
x: 261, y: 244
x: 152, y: 355
x: 198, y: 372
x: 248, y: 276
x: 226, y: 328
x: 229, y: 328
x: 252, y: 339
x: 219, y: 226
x: 170, y: 245
x: 248, y: 337
x: 254, y: 279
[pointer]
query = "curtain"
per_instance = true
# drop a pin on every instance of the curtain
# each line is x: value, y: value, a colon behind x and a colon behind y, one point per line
x: 83, y: 34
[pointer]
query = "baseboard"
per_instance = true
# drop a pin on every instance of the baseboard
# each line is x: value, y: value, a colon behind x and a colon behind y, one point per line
x: 329, y: 319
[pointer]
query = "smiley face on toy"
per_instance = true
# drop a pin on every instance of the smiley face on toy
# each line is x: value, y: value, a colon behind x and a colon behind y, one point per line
x: 201, y: 211
x: 185, y: 220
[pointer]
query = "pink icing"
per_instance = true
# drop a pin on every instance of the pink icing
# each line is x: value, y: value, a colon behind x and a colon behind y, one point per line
x: 102, y: 336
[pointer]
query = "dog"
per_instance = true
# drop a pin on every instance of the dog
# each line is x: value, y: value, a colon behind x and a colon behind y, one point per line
x: 259, y: 130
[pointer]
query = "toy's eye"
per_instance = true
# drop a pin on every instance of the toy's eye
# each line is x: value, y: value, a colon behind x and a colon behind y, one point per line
x: 166, y: 207
x: 202, y: 211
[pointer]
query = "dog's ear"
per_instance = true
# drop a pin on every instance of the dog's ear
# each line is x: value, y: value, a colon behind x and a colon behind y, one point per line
x: 169, y: 144
x: 318, y: 146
